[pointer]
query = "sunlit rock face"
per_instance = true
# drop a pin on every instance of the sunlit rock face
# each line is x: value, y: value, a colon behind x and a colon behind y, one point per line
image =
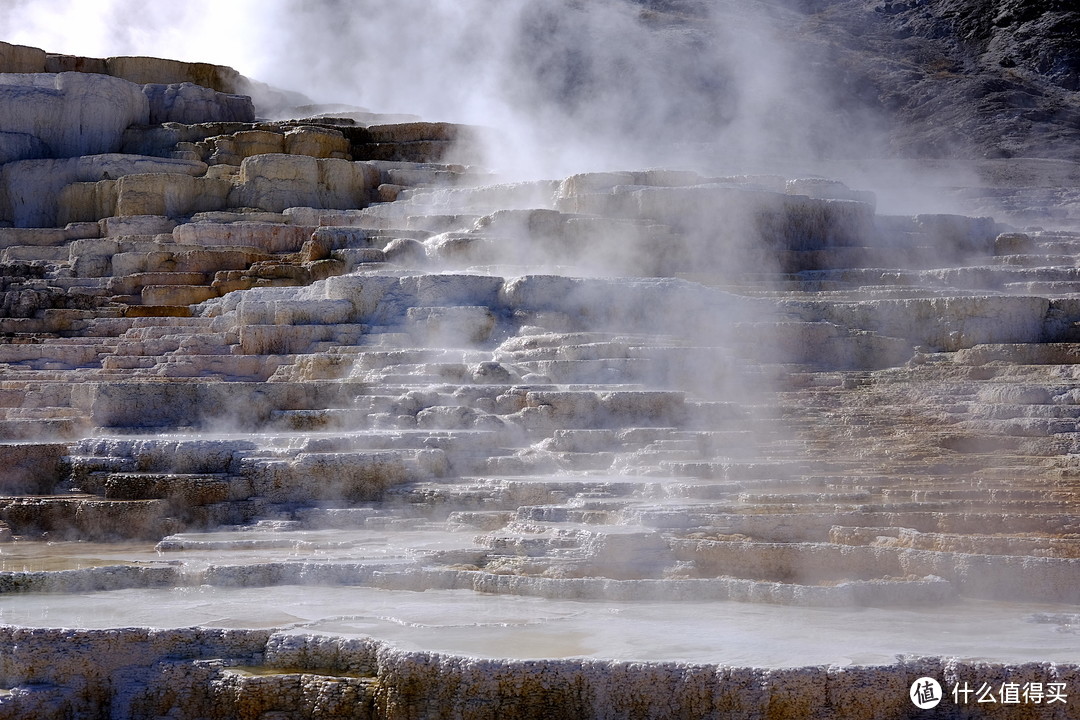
x: 320, y: 418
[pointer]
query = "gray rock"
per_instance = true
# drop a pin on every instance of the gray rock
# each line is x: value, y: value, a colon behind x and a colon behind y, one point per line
x: 20, y: 146
x: 29, y: 188
x: 192, y: 104
x: 71, y: 114
x: 21, y: 59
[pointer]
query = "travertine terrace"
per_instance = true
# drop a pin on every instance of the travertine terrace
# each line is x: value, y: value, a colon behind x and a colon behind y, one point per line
x: 241, y: 356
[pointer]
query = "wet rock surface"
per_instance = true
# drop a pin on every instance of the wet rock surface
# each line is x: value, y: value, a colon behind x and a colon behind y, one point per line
x: 322, y: 353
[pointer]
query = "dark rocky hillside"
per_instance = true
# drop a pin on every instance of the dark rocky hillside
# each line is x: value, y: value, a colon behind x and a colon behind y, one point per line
x: 943, y: 78
x: 977, y: 78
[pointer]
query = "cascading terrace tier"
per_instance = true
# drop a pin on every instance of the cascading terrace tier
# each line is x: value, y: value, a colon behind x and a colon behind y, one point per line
x: 368, y: 433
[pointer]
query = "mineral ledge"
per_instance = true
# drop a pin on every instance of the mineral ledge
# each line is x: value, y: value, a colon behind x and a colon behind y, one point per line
x: 262, y: 344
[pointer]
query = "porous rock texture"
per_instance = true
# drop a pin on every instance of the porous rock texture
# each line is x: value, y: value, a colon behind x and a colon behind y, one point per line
x: 220, y: 333
x: 227, y: 674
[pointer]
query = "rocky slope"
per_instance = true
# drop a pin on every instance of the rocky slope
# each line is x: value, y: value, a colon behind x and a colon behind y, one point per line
x: 932, y: 78
x: 963, y: 79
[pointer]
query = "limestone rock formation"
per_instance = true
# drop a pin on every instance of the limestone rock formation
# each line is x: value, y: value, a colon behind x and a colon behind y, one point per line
x: 235, y: 673
x: 365, y: 430
x: 38, y: 193
x: 190, y: 103
x: 67, y: 114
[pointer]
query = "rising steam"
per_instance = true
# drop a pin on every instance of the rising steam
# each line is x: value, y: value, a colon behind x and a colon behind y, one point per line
x: 570, y: 86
